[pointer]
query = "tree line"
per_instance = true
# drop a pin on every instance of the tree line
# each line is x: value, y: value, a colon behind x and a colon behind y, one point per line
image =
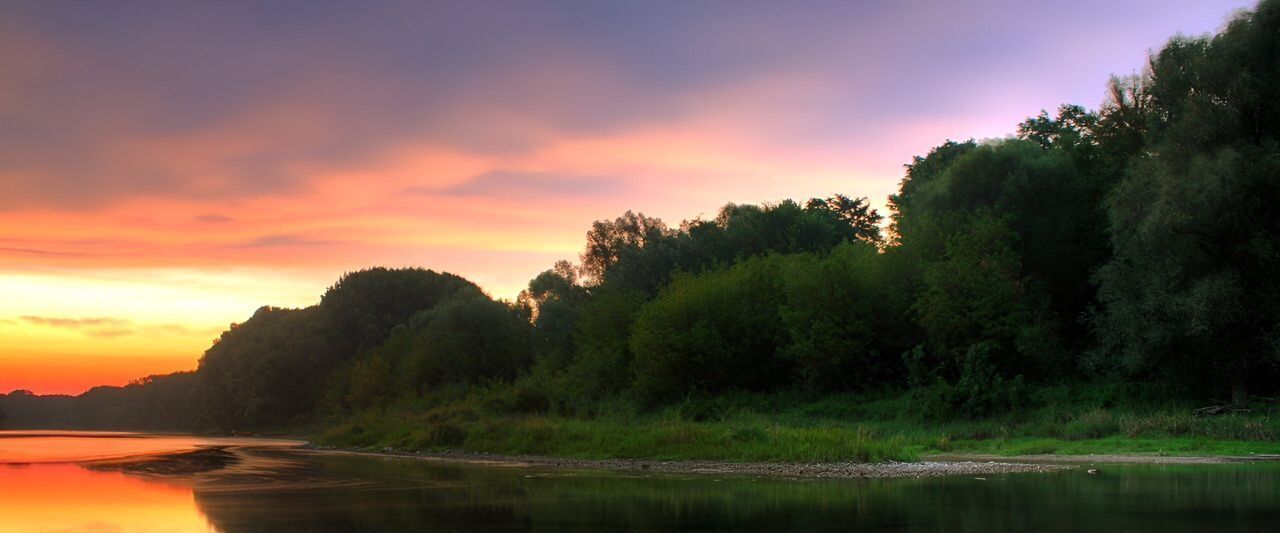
x: 1137, y: 243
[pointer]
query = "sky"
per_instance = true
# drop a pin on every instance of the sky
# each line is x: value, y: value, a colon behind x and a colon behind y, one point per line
x: 166, y: 168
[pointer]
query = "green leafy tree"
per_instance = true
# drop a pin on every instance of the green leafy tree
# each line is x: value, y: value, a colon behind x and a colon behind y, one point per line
x: 611, y: 242
x: 845, y: 326
x: 1190, y: 295
x: 855, y: 212
x: 262, y: 373
x: 1051, y: 190
x: 602, y: 363
x: 372, y: 383
x: 363, y: 306
x: 552, y: 300
x: 978, y: 294
x: 710, y: 333
x: 466, y: 340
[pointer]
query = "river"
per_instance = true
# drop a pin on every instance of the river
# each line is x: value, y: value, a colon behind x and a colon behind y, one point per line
x: 76, y: 482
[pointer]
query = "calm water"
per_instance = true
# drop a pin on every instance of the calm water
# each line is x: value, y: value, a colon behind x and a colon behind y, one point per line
x: 277, y: 489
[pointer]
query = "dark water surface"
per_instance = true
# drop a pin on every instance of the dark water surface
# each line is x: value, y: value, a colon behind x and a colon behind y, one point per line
x: 278, y: 489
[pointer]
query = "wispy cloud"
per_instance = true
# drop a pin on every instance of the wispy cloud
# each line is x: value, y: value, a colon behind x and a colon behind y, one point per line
x: 214, y: 218
x: 109, y: 327
x: 35, y: 251
x: 527, y: 185
x: 102, y: 327
x: 273, y: 241
x: 75, y: 323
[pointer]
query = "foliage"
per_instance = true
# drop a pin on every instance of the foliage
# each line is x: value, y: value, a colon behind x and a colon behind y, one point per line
x: 465, y: 340
x: 363, y: 306
x: 603, y: 361
x: 264, y: 372
x: 976, y: 295
x: 553, y: 301
x: 845, y: 325
x: 711, y: 333
x: 1190, y: 295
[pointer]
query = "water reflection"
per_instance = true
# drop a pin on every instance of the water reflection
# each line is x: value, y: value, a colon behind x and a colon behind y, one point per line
x: 77, y: 446
x: 281, y: 489
x: 67, y: 497
x: 400, y: 495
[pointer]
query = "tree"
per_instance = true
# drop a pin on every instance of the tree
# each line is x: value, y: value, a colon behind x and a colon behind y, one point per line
x: 1190, y: 295
x: 856, y: 212
x: 845, y: 325
x: 602, y: 362
x: 609, y: 242
x: 1049, y: 186
x: 465, y: 340
x: 552, y: 300
x: 263, y: 373
x: 709, y: 333
x: 363, y: 306
x: 977, y: 294
x: 1191, y: 292
x: 372, y: 383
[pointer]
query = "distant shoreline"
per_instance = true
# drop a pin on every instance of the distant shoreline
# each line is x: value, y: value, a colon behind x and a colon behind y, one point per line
x: 929, y: 466
x: 815, y: 470
x: 214, y: 457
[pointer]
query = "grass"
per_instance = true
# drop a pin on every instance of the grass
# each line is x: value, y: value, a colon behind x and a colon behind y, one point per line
x: 786, y: 428
x: 616, y: 439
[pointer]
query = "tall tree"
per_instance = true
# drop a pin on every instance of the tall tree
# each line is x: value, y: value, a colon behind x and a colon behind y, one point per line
x: 856, y: 212
x: 610, y: 241
x: 1190, y: 294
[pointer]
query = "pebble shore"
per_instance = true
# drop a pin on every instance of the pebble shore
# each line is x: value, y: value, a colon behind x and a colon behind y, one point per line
x: 832, y: 470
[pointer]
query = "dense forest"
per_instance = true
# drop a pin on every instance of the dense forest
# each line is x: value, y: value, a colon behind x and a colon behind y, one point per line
x: 1133, y: 248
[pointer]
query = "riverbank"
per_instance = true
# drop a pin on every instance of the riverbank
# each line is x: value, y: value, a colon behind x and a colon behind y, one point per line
x: 1109, y: 459
x: 779, y: 429
x: 244, y: 462
x: 825, y: 470
x: 927, y: 466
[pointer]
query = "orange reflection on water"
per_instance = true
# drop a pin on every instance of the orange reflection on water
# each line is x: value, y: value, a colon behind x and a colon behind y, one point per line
x: 64, y: 446
x: 67, y: 497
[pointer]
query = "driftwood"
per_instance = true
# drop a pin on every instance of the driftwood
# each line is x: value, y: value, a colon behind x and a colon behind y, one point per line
x: 1232, y: 408
x: 1215, y: 410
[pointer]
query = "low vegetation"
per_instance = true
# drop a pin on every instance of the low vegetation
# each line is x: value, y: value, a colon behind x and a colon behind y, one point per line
x: 783, y: 427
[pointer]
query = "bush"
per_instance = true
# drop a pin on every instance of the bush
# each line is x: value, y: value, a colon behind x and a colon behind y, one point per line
x: 439, y: 435
x: 603, y: 362
x: 711, y: 333
x: 841, y: 319
x: 1091, y: 425
x: 467, y: 340
x: 982, y: 391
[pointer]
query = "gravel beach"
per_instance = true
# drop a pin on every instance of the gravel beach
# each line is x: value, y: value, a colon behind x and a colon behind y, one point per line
x: 852, y: 470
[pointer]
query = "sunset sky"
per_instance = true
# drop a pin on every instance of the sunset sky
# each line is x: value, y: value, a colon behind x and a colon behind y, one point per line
x: 167, y: 168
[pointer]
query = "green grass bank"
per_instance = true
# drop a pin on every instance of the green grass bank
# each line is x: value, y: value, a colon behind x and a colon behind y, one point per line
x: 792, y: 428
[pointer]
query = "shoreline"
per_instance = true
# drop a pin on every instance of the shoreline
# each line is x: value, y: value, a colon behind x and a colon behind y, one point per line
x: 1114, y: 459
x: 217, y: 456
x: 936, y: 465
x: 817, y: 470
